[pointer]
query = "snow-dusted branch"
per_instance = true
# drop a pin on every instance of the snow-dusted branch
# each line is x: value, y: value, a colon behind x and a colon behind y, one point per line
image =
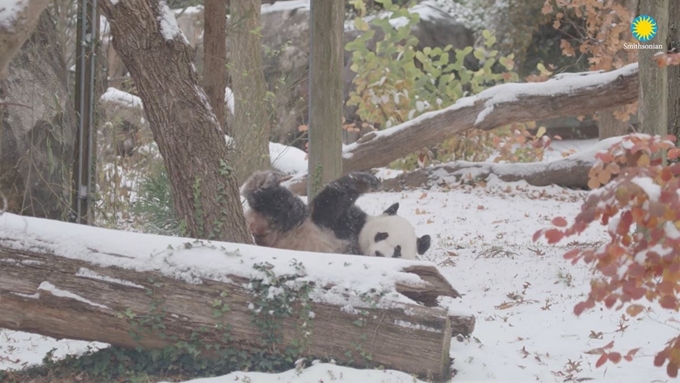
x: 71, y: 281
x: 18, y: 19
x: 565, y: 95
x: 571, y: 172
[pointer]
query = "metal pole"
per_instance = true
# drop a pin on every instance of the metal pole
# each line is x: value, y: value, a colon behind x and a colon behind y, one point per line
x: 85, y: 70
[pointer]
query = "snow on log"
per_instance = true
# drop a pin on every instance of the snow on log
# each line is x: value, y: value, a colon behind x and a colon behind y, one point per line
x: 568, y: 94
x: 18, y: 19
x: 571, y: 172
x: 72, y: 281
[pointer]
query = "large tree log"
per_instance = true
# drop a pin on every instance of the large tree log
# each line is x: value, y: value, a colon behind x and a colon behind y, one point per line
x: 189, y: 136
x: 569, y: 94
x: 53, y: 281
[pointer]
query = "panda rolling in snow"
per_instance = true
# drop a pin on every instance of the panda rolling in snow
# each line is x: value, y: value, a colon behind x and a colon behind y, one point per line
x: 332, y: 223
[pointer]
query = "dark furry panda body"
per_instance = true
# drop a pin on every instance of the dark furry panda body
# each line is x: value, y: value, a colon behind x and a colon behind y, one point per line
x: 331, y: 224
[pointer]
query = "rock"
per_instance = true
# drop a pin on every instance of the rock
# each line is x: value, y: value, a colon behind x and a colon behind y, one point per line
x: 285, y: 34
x: 37, y: 140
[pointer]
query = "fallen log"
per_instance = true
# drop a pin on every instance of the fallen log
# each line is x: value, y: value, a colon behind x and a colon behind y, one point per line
x: 69, y: 281
x: 568, y: 94
x: 571, y: 172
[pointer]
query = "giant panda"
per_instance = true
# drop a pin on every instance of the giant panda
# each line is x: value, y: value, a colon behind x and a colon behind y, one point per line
x: 332, y: 223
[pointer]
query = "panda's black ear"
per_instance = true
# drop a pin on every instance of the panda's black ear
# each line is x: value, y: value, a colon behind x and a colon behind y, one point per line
x: 423, y: 243
x: 392, y: 210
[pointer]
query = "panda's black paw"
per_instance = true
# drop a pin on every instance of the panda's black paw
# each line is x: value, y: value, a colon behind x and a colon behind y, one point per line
x: 261, y: 180
x: 363, y: 182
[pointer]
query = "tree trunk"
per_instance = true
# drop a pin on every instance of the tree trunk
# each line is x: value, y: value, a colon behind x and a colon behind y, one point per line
x: 251, y: 124
x: 19, y: 21
x: 608, y: 125
x: 653, y: 107
x: 326, y: 95
x: 674, y: 74
x: 62, y: 297
x: 215, y: 57
x: 189, y: 137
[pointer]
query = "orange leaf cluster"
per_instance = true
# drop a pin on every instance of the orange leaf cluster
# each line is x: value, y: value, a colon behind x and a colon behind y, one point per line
x: 641, y: 209
x: 666, y: 59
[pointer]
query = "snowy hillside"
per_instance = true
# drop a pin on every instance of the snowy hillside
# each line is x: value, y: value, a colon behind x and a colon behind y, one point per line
x: 522, y: 294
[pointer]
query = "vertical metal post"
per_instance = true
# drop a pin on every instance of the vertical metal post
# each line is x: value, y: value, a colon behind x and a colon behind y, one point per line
x: 86, y: 41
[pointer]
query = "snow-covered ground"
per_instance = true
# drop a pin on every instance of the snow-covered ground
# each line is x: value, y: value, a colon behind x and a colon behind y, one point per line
x: 521, y: 292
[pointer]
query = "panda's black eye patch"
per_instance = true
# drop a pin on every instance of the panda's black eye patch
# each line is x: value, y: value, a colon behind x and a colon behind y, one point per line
x: 381, y: 237
x: 397, y: 252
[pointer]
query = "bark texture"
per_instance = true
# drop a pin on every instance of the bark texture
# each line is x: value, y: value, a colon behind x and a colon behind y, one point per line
x: 653, y: 107
x: 17, y: 29
x: 68, y: 298
x: 215, y: 57
x: 251, y: 125
x: 188, y: 134
x: 326, y: 93
x: 375, y: 150
x: 608, y: 124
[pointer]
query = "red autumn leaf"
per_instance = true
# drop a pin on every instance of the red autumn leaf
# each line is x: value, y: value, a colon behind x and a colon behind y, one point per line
x: 660, y: 358
x: 634, y: 310
x: 559, y: 222
x: 553, y: 236
x: 604, y: 157
x: 672, y: 370
x: 666, y: 287
x: 668, y: 302
x: 609, y: 345
x: 673, y: 153
x: 631, y: 353
x: 571, y: 253
x: 626, y: 219
x: 601, y: 360
x: 537, y: 235
x: 580, y: 307
x: 610, y: 301
x: 614, y: 357
x: 639, y: 146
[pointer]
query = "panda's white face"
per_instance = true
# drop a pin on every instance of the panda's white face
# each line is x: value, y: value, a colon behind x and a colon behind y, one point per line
x: 391, y: 236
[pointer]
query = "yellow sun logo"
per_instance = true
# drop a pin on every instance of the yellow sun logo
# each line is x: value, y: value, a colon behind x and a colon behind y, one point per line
x: 644, y: 28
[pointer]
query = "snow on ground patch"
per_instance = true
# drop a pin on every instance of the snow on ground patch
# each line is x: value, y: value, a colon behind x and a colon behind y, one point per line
x: 121, y: 98
x: 287, y: 159
x: 319, y: 372
x: 20, y: 349
x: 9, y: 9
x: 522, y: 293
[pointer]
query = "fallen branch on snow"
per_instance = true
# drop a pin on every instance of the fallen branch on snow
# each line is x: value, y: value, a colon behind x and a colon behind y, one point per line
x: 72, y: 281
x: 571, y: 172
x: 569, y: 94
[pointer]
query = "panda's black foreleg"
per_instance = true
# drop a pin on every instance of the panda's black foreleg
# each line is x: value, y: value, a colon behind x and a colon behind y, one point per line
x: 334, y: 207
x: 268, y: 198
